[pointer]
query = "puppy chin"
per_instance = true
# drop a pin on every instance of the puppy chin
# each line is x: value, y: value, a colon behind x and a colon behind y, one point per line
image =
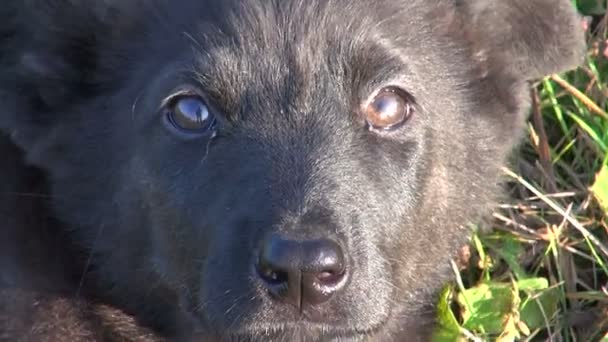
x: 294, y: 332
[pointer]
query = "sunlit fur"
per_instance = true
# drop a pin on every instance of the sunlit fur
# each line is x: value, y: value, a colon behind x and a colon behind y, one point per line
x: 166, y: 228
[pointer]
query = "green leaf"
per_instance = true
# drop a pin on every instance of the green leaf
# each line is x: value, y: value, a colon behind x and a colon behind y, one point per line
x: 600, y: 188
x: 533, y: 284
x: 491, y: 304
x: 591, y: 7
x: 537, y: 310
x: 448, y: 329
x: 510, y: 249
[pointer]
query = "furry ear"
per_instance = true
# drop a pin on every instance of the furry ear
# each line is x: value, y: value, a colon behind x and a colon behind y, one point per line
x: 52, y: 59
x: 55, y: 46
x: 52, y: 49
x: 533, y: 38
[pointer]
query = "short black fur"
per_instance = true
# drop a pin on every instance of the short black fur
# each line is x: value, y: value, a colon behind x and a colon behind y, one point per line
x: 166, y: 228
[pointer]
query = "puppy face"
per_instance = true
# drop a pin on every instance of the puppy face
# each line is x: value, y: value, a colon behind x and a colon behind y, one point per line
x: 298, y: 170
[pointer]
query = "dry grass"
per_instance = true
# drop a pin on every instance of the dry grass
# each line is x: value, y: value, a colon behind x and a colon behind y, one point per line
x: 552, y: 227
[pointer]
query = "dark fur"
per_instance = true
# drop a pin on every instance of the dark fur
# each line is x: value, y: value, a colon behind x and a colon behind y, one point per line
x: 166, y: 228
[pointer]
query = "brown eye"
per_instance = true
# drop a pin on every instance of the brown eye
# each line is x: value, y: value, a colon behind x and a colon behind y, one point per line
x: 190, y: 114
x: 390, y: 108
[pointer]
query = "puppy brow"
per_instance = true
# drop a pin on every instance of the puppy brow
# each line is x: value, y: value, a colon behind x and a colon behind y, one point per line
x: 375, y: 66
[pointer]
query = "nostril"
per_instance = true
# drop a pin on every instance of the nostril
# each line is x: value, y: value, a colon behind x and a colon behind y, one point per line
x: 301, y: 272
x: 329, y: 278
x: 276, y: 261
x: 270, y: 275
x: 326, y: 275
x: 325, y: 260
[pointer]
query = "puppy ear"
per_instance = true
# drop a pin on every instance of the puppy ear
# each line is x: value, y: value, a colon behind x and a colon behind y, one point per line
x: 55, y: 47
x: 52, y: 59
x: 533, y: 38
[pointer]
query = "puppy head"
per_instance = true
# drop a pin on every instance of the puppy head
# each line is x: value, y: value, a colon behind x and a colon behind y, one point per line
x: 280, y: 169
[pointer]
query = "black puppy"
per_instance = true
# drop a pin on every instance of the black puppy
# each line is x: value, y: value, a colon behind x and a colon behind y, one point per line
x: 294, y: 170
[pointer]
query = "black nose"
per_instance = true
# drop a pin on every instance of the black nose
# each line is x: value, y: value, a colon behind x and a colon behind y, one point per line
x: 304, y: 272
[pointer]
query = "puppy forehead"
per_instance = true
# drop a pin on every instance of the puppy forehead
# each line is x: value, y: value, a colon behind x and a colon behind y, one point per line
x: 303, y: 45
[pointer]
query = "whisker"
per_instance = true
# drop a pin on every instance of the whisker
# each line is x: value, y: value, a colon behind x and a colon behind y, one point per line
x: 207, y: 148
x: 89, y: 260
x: 29, y: 194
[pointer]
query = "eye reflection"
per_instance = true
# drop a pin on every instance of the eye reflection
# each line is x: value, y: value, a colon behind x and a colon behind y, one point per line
x: 390, y: 108
x: 190, y: 114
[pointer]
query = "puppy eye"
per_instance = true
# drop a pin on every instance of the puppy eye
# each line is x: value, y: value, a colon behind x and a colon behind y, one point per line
x: 190, y: 114
x: 389, y: 109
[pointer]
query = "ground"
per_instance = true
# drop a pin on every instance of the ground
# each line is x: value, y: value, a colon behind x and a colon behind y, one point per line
x: 544, y: 270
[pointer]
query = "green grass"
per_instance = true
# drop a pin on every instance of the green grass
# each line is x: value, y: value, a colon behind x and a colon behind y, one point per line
x: 542, y: 273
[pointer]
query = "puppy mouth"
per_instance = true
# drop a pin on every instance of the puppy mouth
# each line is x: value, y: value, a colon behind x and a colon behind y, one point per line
x: 255, y: 314
x: 294, y: 326
x: 296, y: 332
x: 294, y: 329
